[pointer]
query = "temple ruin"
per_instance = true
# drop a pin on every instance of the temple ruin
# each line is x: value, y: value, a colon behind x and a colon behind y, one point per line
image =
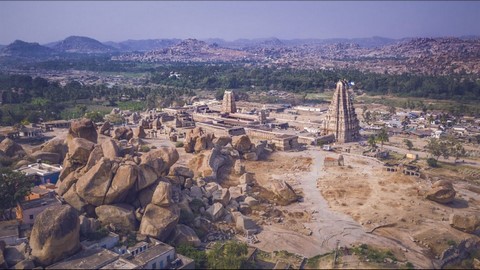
x: 341, y: 119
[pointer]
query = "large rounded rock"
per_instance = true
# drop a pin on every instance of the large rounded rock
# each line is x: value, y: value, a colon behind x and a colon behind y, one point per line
x: 222, y: 141
x: 94, y: 184
x: 56, y: 146
x: 163, y: 194
x: 95, y: 155
x: 125, y: 177
x: 11, y: 148
x: 242, y: 144
x: 105, y: 128
x: 159, y: 222
x: 442, y: 192
x: 161, y: 160
x: 139, y: 132
x: 466, y: 223
x: 55, y: 234
x: 121, y: 215
x: 216, y: 211
x: 83, y: 128
x: 283, y: 190
x: 123, y: 133
x: 110, y: 149
x: 52, y: 158
x: 198, y: 140
x: 79, y: 150
x: 184, y: 235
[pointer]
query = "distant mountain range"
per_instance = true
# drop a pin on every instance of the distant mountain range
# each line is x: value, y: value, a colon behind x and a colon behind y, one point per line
x: 443, y: 55
x: 76, y: 44
x: 86, y: 45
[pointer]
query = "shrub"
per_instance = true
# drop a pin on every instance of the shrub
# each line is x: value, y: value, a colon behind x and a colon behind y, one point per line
x: 144, y: 148
x: 179, y: 144
x: 432, y: 162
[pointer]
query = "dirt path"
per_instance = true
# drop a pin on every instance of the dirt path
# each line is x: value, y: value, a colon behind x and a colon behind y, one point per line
x: 327, y: 225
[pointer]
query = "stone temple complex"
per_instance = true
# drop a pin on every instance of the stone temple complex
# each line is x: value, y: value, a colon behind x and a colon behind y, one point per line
x: 228, y: 105
x: 341, y: 119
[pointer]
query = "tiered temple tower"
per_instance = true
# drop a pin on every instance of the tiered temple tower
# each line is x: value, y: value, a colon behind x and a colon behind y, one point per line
x: 341, y: 119
x: 228, y: 105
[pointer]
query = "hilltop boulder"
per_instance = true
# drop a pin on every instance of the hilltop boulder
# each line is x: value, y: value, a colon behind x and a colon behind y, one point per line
x: 469, y: 223
x: 123, y: 133
x: 55, y: 235
x: 283, y: 190
x: 121, y: 215
x: 159, y: 222
x: 11, y: 148
x: 83, y: 128
x: 442, y: 192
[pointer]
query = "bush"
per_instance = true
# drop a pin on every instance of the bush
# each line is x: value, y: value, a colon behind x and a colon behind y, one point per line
x: 199, y: 256
x: 179, y: 144
x: 186, y: 217
x: 432, y: 162
x: 97, y: 235
x: 144, y: 148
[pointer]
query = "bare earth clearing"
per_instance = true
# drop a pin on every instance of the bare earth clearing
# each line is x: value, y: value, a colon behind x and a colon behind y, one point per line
x: 357, y: 203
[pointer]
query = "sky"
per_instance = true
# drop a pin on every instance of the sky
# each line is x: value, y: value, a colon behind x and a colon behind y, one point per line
x: 47, y: 21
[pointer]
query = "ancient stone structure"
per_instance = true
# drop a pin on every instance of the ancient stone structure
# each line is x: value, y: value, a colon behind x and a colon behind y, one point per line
x: 228, y: 105
x: 341, y: 119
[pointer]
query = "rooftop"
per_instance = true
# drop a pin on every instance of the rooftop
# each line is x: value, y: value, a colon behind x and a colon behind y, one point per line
x: 45, y: 201
x: 120, y: 263
x: 87, y: 259
x: 41, y: 169
x: 151, y: 253
x: 8, y: 228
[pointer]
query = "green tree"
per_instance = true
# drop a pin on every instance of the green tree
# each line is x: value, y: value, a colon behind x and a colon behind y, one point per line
x: 458, y: 151
x: 408, y: 143
x: 372, y: 141
x: 94, y: 116
x: 199, y: 256
x: 382, y: 137
x: 14, y: 186
x: 228, y: 255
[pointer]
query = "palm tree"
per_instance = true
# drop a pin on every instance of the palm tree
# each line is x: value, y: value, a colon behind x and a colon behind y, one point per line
x: 382, y: 137
x: 371, y: 141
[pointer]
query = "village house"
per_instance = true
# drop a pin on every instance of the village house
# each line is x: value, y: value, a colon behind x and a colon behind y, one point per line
x: 27, y: 211
x: 42, y: 172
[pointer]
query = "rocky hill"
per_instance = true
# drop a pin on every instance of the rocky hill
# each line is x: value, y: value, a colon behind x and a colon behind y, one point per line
x: 142, y: 45
x: 76, y: 44
x: 25, y: 49
x: 189, y: 50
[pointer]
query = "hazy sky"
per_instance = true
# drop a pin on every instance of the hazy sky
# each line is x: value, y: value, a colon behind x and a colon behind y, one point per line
x: 43, y: 21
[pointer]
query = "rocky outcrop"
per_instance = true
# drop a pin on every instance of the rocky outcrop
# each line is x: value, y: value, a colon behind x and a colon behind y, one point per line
x: 184, y: 235
x: 139, y: 132
x: 121, y: 216
x: 198, y: 140
x: 442, y: 192
x: 160, y: 160
x: 222, y: 141
x: 25, y: 264
x: 88, y: 225
x: 110, y: 149
x: 83, y: 128
x: 159, y: 222
x: 216, y: 211
x: 467, y: 223
x: 283, y: 190
x: 162, y: 196
x: 125, y: 178
x: 79, y: 150
x: 105, y: 128
x: 52, y: 158
x: 242, y: 144
x: 57, y: 146
x: 245, y: 224
x: 55, y: 235
x: 94, y: 184
x: 123, y: 133
x: 11, y: 148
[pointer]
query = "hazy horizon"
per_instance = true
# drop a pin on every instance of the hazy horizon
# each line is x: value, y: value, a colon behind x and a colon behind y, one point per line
x: 45, y: 22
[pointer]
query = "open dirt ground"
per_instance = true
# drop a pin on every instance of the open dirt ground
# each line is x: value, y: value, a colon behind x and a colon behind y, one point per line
x: 357, y: 203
